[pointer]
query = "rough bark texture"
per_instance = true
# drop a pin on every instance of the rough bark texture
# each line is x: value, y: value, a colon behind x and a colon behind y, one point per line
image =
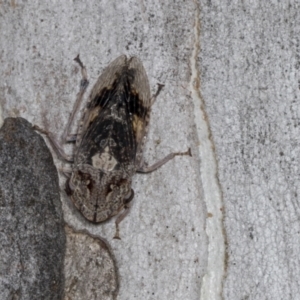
x: 89, y: 268
x: 163, y: 251
x: 249, y: 65
x: 230, y: 70
x: 32, y: 239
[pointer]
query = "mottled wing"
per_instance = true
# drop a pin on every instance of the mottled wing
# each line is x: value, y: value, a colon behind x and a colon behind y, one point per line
x: 141, y: 103
x: 99, y: 94
x: 117, y: 114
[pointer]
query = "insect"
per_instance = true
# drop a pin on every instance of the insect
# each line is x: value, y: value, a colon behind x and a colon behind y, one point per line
x: 109, y: 142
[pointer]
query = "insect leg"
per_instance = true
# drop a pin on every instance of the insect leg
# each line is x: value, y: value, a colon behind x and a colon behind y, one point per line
x: 83, y: 86
x: 159, y: 88
x: 139, y: 157
x: 67, y: 137
x: 71, y: 138
x: 55, y: 145
x: 127, y: 205
x: 146, y: 169
x: 67, y: 171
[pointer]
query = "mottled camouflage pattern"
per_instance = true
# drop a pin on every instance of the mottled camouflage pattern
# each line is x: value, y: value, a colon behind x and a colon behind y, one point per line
x: 109, y: 141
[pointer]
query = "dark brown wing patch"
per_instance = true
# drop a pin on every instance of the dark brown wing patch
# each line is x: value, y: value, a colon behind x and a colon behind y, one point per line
x: 101, y: 92
x: 118, y: 110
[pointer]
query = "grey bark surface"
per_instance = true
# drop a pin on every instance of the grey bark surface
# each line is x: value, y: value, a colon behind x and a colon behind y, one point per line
x: 249, y: 65
x: 32, y: 239
x: 163, y: 251
x: 243, y: 57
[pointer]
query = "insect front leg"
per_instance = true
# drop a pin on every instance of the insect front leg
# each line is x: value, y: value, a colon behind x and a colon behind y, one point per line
x: 148, y: 169
x: 127, y: 205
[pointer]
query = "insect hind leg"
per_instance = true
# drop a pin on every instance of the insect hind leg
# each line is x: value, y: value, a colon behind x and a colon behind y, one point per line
x: 149, y: 169
x: 159, y: 88
x: 67, y: 137
x: 55, y: 145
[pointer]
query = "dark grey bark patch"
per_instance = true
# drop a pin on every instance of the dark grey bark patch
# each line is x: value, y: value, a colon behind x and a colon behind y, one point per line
x: 32, y: 237
x: 90, y: 267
